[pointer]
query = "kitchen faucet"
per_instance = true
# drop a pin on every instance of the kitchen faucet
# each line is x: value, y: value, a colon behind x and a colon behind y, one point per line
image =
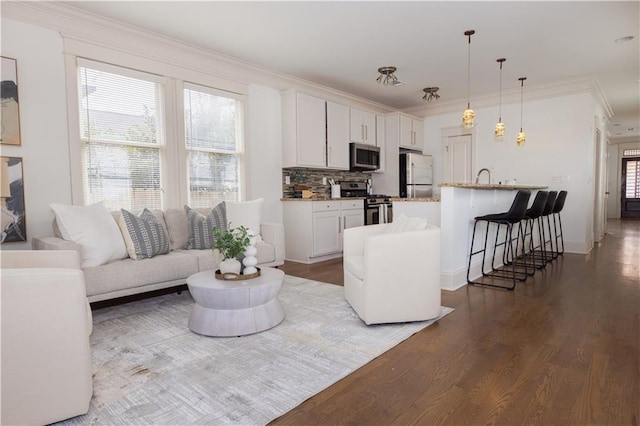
x: 483, y: 170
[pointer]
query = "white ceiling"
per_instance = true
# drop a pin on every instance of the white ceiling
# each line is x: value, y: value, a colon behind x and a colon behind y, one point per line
x: 342, y: 44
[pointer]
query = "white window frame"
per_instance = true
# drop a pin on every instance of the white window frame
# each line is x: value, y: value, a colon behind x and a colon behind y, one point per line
x: 173, y: 77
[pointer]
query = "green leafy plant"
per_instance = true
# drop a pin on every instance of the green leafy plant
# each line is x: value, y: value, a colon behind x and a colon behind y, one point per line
x: 232, y: 242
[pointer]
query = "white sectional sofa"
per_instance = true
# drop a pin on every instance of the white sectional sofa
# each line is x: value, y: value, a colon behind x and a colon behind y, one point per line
x: 128, y: 276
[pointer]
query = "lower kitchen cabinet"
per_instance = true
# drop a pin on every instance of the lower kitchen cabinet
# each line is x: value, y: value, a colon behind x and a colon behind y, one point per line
x: 313, y: 229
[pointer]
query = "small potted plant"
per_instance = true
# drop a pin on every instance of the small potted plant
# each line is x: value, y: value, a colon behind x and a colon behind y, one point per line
x: 231, y: 244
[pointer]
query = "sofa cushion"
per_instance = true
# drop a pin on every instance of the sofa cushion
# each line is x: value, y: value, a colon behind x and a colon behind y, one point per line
x: 201, y: 226
x: 176, y: 221
x: 265, y: 252
x: 129, y: 273
x: 94, y: 229
x: 245, y: 213
x: 144, y: 236
x: 403, y: 223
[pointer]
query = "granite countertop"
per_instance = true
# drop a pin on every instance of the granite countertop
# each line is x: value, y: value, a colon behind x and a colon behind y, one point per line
x: 321, y: 198
x: 489, y: 186
x: 434, y: 199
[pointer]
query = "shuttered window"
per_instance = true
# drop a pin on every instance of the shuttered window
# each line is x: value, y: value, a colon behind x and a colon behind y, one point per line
x: 632, y: 189
x: 121, y: 135
x: 213, y: 140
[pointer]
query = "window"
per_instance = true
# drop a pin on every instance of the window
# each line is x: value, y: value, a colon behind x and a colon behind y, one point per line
x: 213, y: 136
x: 126, y: 160
x: 631, y: 153
x: 632, y: 179
x: 121, y: 137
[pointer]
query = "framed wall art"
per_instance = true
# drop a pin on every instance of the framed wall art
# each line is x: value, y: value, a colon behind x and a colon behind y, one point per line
x: 14, y: 226
x: 10, y: 134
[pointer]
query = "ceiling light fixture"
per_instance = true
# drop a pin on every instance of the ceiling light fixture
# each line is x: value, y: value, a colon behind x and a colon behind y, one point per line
x: 430, y: 93
x: 468, y: 115
x: 624, y: 39
x: 500, y: 128
x: 522, y: 138
x: 387, y: 76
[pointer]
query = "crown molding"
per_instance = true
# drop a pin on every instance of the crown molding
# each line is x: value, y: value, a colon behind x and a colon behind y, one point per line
x: 587, y: 84
x: 77, y: 25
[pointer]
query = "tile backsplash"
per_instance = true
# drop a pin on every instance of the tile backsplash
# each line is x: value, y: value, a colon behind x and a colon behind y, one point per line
x: 313, y: 179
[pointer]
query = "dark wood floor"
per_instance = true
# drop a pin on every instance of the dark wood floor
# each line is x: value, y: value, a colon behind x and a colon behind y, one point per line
x: 562, y: 349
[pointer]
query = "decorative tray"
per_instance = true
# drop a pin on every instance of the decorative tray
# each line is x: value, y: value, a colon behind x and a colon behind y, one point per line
x: 231, y: 276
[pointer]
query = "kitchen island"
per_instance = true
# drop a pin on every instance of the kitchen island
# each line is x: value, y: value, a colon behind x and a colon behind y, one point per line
x: 460, y: 203
x: 426, y: 207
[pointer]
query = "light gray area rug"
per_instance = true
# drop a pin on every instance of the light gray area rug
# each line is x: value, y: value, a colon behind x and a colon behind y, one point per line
x: 149, y: 368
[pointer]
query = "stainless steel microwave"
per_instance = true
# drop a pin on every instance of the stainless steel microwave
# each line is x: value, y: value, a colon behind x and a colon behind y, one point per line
x: 363, y: 157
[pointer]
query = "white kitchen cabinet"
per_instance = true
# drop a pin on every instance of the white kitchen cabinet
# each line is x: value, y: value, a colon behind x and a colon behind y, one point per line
x: 337, y: 136
x: 303, y: 130
x: 315, y: 132
x: 313, y: 229
x: 380, y: 141
x: 411, y: 133
x: 363, y: 126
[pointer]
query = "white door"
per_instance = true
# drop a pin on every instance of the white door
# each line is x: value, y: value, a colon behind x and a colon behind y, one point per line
x: 457, y: 159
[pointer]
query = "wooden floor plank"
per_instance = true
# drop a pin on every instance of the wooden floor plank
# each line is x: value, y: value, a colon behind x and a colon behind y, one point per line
x: 563, y: 348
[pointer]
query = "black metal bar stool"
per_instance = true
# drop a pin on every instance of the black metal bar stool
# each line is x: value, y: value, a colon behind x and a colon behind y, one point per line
x: 510, y: 218
x: 557, y: 208
x: 531, y: 219
x: 547, y: 255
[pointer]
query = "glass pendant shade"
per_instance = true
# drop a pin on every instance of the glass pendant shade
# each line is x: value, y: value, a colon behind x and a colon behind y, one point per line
x: 467, y: 118
x: 468, y: 115
x: 499, y: 131
x: 522, y: 138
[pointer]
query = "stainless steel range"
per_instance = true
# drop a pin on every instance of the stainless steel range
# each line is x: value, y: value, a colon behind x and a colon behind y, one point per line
x: 378, y: 208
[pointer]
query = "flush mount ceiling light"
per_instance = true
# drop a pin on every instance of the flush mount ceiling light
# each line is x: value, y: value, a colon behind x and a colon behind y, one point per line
x: 430, y: 93
x: 500, y: 128
x: 468, y: 115
x: 387, y: 76
x: 522, y: 138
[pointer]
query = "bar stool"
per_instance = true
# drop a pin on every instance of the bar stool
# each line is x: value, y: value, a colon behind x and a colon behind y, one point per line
x: 547, y: 256
x: 510, y: 218
x: 531, y: 218
x: 557, y: 208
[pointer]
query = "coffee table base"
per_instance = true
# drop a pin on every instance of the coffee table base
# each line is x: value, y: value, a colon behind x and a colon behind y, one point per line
x: 235, y: 322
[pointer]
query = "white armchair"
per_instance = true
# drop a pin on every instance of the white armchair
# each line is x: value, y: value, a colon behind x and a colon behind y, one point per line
x: 46, y: 322
x: 392, y: 277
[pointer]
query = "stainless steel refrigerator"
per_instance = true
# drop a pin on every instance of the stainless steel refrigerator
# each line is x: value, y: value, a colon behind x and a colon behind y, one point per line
x: 416, y: 175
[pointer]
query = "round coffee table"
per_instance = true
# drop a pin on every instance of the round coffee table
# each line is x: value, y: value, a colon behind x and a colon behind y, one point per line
x: 235, y: 308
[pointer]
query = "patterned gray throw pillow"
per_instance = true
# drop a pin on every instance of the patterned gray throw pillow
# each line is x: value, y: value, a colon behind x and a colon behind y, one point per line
x: 201, y: 227
x: 144, y: 237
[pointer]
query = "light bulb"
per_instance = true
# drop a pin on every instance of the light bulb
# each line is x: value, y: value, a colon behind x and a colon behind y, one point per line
x: 522, y: 138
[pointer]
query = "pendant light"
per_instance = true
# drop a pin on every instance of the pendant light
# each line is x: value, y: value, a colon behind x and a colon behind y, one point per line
x: 522, y: 138
x: 468, y: 115
x: 500, y: 128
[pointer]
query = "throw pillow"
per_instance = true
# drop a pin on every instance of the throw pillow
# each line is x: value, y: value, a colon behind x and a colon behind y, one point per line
x: 245, y: 213
x: 403, y: 223
x: 94, y: 229
x: 201, y: 226
x: 144, y: 236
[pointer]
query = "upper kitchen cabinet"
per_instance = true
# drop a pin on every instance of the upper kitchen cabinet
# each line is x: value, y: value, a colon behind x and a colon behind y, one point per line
x: 411, y: 132
x: 337, y: 136
x: 315, y: 133
x: 363, y: 126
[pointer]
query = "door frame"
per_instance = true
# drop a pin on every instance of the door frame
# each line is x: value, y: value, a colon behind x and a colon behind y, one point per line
x: 623, y: 180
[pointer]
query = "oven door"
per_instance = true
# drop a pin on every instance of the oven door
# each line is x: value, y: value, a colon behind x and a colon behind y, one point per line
x: 379, y: 213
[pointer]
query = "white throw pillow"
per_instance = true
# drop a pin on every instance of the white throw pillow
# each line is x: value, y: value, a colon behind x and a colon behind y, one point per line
x: 245, y: 213
x: 95, y: 229
x: 403, y: 223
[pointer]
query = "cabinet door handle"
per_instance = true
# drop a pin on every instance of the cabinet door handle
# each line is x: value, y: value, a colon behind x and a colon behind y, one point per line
x: 366, y: 133
x: 362, y: 131
x: 344, y: 222
x: 339, y: 230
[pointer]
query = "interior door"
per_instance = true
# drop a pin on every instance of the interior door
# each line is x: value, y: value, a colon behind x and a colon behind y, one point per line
x: 630, y: 191
x: 458, y: 159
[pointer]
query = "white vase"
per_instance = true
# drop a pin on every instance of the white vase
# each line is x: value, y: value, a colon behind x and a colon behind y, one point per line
x: 230, y: 265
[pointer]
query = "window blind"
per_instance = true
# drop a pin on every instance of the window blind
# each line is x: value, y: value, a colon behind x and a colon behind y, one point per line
x: 122, y: 138
x: 213, y: 139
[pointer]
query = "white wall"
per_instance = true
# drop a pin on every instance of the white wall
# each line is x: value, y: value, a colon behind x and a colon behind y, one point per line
x: 43, y: 123
x: 264, y: 155
x: 560, y: 145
